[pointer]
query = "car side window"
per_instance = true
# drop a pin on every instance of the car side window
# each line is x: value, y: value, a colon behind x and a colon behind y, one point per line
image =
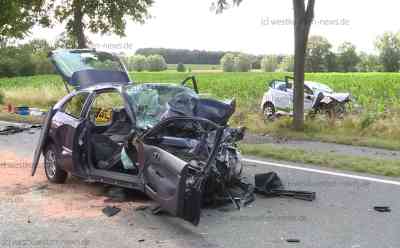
x: 75, y: 105
x: 308, y: 91
x: 281, y: 86
x: 101, y: 112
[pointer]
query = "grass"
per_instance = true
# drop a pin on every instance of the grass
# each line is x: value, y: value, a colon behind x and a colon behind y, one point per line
x: 380, y: 167
x: 382, y: 132
x: 373, y: 122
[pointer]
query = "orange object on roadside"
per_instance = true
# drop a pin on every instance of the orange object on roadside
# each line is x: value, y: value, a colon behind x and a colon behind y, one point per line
x: 10, y: 108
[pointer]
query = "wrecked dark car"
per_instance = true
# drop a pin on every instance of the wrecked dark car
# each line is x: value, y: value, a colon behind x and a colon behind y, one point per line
x: 161, y: 139
x: 318, y: 99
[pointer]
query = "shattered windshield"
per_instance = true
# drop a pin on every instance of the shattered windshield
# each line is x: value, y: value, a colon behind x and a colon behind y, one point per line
x: 69, y: 62
x: 150, y: 101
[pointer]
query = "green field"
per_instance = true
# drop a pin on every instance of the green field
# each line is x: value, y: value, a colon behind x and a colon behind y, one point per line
x: 373, y: 91
x: 374, y: 121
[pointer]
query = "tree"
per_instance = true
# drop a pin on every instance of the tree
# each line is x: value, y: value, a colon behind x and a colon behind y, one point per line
x: 16, y: 61
x: 303, y: 19
x: 348, y: 57
x: 388, y: 46
x: 228, y: 62
x: 331, y: 62
x: 96, y: 16
x: 180, y: 68
x: 18, y: 16
x: 39, y: 49
x: 269, y: 63
x: 137, y: 63
x: 317, y: 52
x: 242, y: 63
x: 66, y: 41
x: 369, y: 63
x: 156, y: 63
x: 287, y: 64
x: 303, y: 16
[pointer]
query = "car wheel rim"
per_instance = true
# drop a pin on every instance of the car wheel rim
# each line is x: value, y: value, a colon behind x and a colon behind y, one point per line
x: 50, y: 164
x: 268, y: 112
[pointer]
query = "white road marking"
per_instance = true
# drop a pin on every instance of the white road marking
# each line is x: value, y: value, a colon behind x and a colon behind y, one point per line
x: 338, y: 174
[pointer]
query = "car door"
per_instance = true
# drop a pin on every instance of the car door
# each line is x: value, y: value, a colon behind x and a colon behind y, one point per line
x: 42, y: 139
x: 282, y: 96
x: 60, y: 126
x: 309, y: 98
x: 68, y: 120
x: 165, y: 180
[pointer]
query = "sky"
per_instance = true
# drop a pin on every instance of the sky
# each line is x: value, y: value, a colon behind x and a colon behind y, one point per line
x: 256, y: 26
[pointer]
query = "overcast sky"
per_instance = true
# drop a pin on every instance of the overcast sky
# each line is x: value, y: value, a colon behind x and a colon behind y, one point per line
x: 257, y: 26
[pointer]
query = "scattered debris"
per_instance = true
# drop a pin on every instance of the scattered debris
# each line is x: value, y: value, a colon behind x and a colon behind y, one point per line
x: 156, y: 210
x: 141, y: 208
x: 7, y: 130
x: 111, y: 211
x: 293, y: 240
x: 270, y: 185
x: 11, y: 128
x: 382, y: 209
x: 116, y: 194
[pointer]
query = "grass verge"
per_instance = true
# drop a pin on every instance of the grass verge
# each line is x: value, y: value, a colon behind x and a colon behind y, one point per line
x: 380, y: 167
x: 379, y: 131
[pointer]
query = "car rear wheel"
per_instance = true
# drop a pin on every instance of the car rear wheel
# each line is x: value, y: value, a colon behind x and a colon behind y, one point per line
x: 53, y: 171
x: 269, y: 111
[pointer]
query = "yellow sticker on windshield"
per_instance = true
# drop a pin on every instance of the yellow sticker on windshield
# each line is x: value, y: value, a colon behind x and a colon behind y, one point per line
x: 104, y: 116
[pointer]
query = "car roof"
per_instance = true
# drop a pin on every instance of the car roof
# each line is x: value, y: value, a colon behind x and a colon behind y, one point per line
x: 103, y: 86
x: 318, y: 86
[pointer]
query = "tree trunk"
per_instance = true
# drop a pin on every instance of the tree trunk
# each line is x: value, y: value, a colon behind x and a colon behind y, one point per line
x: 78, y: 28
x: 303, y: 19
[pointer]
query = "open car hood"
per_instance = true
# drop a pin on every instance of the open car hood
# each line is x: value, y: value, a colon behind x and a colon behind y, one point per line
x: 85, y: 68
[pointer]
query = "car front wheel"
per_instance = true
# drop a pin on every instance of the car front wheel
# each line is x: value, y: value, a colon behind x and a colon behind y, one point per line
x: 53, y: 171
x: 269, y: 112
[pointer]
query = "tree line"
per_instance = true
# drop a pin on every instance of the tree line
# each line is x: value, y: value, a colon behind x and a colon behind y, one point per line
x: 320, y: 57
x: 31, y: 58
x: 184, y: 56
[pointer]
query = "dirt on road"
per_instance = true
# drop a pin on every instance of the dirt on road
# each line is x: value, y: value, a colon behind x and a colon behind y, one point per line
x: 76, y: 199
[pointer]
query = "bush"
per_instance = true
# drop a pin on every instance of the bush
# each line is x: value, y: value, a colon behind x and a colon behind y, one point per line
x: 269, y: 63
x: 137, y: 63
x: 42, y: 65
x: 236, y: 62
x: 242, y: 63
x: 181, y: 68
x: 156, y: 63
x: 1, y: 97
x: 228, y: 62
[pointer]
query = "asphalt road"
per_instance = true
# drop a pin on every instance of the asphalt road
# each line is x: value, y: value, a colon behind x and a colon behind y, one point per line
x: 342, y: 215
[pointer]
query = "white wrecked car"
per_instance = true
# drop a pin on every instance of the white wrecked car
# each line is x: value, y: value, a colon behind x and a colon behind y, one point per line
x: 318, y: 98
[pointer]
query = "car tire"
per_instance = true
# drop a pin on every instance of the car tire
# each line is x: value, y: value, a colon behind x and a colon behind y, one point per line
x: 269, y: 111
x: 52, y: 170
